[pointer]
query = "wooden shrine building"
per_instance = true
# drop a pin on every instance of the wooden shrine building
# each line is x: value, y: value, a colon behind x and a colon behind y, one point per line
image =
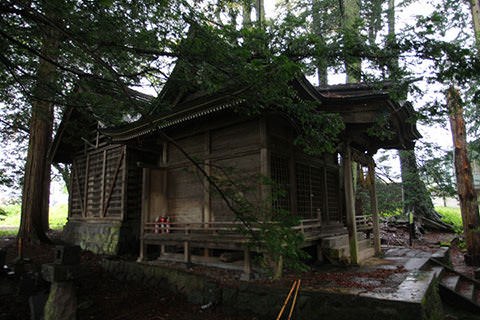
x: 125, y: 179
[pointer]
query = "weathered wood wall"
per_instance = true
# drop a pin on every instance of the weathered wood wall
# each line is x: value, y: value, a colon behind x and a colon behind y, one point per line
x: 230, y: 151
x: 313, y: 182
x: 97, y: 189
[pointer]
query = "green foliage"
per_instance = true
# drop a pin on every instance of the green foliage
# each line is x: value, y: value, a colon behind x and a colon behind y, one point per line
x: 8, y: 232
x: 437, y: 172
x: 452, y: 216
x: 3, y: 213
x: 389, y: 197
x: 264, y: 224
x: 57, y: 216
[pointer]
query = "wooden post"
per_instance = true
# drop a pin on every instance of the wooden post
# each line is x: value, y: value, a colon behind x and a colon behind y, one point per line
x: 326, y: 214
x: 85, y: 190
x: 247, y: 265
x: 374, y: 208
x: 187, y: 254
x: 293, y: 183
x: 145, y: 211
x: 124, y: 181
x: 164, y: 185
x: 206, y: 187
x: 102, y: 195
x: 264, y: 159
x: 187, y: 257
x: 265, y: 171
x: 206, y: 196
x: 319, y: 253
x: 350, y: 204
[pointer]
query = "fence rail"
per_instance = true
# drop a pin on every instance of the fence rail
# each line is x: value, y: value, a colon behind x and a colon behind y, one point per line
x: 364, y: 223
x: 224, y: 227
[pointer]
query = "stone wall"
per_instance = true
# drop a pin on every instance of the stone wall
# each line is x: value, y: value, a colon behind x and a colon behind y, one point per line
x: 265, y: 301
x: 110, y: 238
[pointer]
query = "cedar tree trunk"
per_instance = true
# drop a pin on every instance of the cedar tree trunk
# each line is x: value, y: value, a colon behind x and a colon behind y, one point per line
x: 37, y: 169
x: 350, y: 14
x: 415, y: 194
x: 463, y: 172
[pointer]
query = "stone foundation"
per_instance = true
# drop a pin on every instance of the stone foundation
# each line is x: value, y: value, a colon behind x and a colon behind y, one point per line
x: 110, y: 238
x: 266, y: 301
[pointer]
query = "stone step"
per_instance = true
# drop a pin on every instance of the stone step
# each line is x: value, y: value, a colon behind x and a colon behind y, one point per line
x: 365, y: 244
x: 450, y: 280
x: 436, y: 269
x: 465, y: 288
x: 339, y: 241
x: 457, y: 289
x: 366, y: 253
x: 335, y: 242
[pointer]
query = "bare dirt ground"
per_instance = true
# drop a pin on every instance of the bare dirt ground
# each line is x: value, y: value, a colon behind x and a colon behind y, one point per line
x: 103, y: 297
x: 100, y: 295
x: 397, y: 236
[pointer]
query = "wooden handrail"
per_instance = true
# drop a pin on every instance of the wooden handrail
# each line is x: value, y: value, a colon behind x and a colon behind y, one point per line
x: 305, y: 226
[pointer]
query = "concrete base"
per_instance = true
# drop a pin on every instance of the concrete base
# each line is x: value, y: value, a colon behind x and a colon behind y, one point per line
x: 111, y: 237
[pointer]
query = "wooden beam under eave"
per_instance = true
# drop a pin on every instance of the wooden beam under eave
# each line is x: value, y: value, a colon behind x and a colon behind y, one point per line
x: 350, y: 204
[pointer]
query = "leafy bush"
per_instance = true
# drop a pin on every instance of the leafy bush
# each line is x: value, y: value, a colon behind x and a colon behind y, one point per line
x: 451, y: 216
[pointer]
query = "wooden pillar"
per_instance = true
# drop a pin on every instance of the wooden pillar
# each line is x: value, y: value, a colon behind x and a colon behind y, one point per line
x: 264, y: 159
x: 319, y: 253
x: 102, y: 195
x: 124, y: 182
x: 374, y: 207
x: 207, y: 212
x: 85, y: 186
x: 350, y: 204
x: 187, y: 254
x: 164, y: 162
x: 326, y: 214
x: 145, y: 210
x: 247, y: 265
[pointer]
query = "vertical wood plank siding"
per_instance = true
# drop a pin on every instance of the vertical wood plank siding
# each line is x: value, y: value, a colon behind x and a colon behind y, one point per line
x: 92, y: 179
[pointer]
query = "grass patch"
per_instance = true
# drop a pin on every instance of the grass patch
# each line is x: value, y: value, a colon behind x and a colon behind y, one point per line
x: 391, y: 213
x: 452, y: 216
x: 57, y: 216
x: 8, y: 232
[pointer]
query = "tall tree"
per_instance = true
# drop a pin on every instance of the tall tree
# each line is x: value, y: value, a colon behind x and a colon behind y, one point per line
x: 463, y: 170
x: 475, y: 9
x: 416, y: 197
x: 351, y: 34
x: 36, y: 188
x: 463, y: 173
x: 325, y: 21
x: 49, y: 47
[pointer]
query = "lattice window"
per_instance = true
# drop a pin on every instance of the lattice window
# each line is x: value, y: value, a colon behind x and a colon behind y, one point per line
x: 316, y: 183
x: 309, y: 191
x: 303, y: 190
x: 280, y: 175
x: 333, y: 196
